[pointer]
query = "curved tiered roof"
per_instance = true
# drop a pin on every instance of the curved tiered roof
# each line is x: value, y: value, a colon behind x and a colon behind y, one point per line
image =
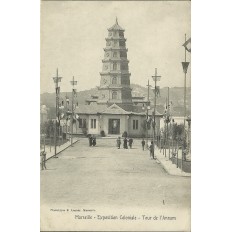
x: 116, y: 27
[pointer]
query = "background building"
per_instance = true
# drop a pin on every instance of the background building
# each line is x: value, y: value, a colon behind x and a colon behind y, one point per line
x: 113, y: 110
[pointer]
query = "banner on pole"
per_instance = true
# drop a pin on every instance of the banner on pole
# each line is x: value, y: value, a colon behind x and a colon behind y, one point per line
x: 185, y: 66
x: 157, y: 91
x: 57, y: 90
x: 187, y: 45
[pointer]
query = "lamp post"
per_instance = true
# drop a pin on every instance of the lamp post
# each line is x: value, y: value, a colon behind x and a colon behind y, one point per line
x: 155, y: 79
x: 56, y: 80
x: 148, y: 108
x: 189, y: 134
x: 185, y: 65
x: 73, y: 82
x: 66, y: 116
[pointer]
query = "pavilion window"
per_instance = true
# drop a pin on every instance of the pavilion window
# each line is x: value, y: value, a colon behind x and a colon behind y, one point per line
x: 114, y: 95
x: 115, y: 43
x: 121, y: 33
x: 122, y: 43
x: 82, y: 123
x: 114, y: 80
x: 123, y: 54
x: 114, y: 66
x: 135, y: 124
x: 148, y: 125
x: 124, y: 66
x: 93, y: 123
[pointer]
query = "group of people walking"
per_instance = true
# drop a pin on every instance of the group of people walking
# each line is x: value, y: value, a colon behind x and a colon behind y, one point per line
x: 92, y: 141
x: 126, y: 141
x: 129, y: 141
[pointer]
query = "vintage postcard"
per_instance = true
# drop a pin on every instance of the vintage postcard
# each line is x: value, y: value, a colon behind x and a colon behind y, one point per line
x: 115, y: 139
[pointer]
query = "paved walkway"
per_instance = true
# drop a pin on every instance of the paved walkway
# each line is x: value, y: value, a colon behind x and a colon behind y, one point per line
x: 110, y: 181
x: 51, y: 152
x: 168, y: 165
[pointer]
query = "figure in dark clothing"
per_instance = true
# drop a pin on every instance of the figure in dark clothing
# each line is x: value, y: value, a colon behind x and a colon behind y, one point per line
x: 151, y: 150
x: 143, y: 144
x: 130, y: 142
x: 43, y: 160
x: 90, y: 140
x: 118, y: 142
x: 125, y: 143
x: 94, y: 142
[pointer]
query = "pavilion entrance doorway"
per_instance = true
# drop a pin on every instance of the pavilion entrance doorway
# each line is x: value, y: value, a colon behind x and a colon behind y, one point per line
x: 114, y: 126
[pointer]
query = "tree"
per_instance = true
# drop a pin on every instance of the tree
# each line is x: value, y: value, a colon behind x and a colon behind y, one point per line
x: 178, y: 131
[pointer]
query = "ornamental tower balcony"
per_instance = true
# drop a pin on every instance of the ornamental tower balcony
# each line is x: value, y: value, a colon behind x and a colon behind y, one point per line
x: 115, y: 75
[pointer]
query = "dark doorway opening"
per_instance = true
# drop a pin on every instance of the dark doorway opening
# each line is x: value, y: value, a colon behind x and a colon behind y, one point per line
x: 114, y: 126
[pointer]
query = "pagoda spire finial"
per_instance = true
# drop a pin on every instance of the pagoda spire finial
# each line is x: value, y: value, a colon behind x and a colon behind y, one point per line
x: 116, y: 20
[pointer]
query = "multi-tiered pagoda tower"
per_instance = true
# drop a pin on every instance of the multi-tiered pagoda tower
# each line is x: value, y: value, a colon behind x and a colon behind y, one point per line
x: 115, y: 76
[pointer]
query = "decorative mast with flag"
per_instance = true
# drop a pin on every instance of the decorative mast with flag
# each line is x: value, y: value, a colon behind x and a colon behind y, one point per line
x: 73, y: 82
x: 56, y: 80
x: 185, y: 65
x: 187, y: 45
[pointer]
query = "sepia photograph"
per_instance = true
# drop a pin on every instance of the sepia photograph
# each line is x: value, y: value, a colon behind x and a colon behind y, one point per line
x: 115, y: 115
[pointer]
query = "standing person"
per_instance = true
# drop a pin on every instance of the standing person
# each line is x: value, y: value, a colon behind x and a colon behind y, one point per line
x: 118, y: 142
x: 130, y: 142
x: 143, y: 144
x: 125, y: 143
x: 43, y: 160
x: 151, y: 150
x: 90, y: 140
x: 94, y: 141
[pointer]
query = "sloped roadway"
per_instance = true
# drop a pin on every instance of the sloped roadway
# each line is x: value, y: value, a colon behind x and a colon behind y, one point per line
x: 84, y: 176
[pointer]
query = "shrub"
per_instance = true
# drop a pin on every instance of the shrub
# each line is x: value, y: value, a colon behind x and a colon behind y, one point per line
x: 125, y: 134
x: 102, y: 133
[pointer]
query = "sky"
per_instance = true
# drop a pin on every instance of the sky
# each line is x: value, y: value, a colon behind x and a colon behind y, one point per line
x: 73, y: 37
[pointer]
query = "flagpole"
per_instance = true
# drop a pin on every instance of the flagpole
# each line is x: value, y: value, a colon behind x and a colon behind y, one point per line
x: 184, y: 107
x: 56, y: 109
x: 56, y: 80
x: 183, y: 148
x: 166, y: 132
x: 66, y: 116
x: 148, y: 105
x: 185, y: 68
x: 154, y: 119
x: 72, y: 117
x: 154, y: 134
x: 167, y: 126
x: 184, y: 87
x: 73, y: 82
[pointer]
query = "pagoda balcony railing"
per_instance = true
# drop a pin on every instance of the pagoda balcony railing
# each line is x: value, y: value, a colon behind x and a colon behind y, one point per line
x: 122, y: 59
x: 123, y: 47
x: 115, y: 49
x: 115, y: 38
x: 123, y: 72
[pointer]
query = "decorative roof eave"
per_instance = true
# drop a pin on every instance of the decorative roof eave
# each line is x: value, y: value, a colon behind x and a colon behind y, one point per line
x: 115, y: 27
x: 138, y: 97
x: 117, y: 113
x: 91, y: 100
